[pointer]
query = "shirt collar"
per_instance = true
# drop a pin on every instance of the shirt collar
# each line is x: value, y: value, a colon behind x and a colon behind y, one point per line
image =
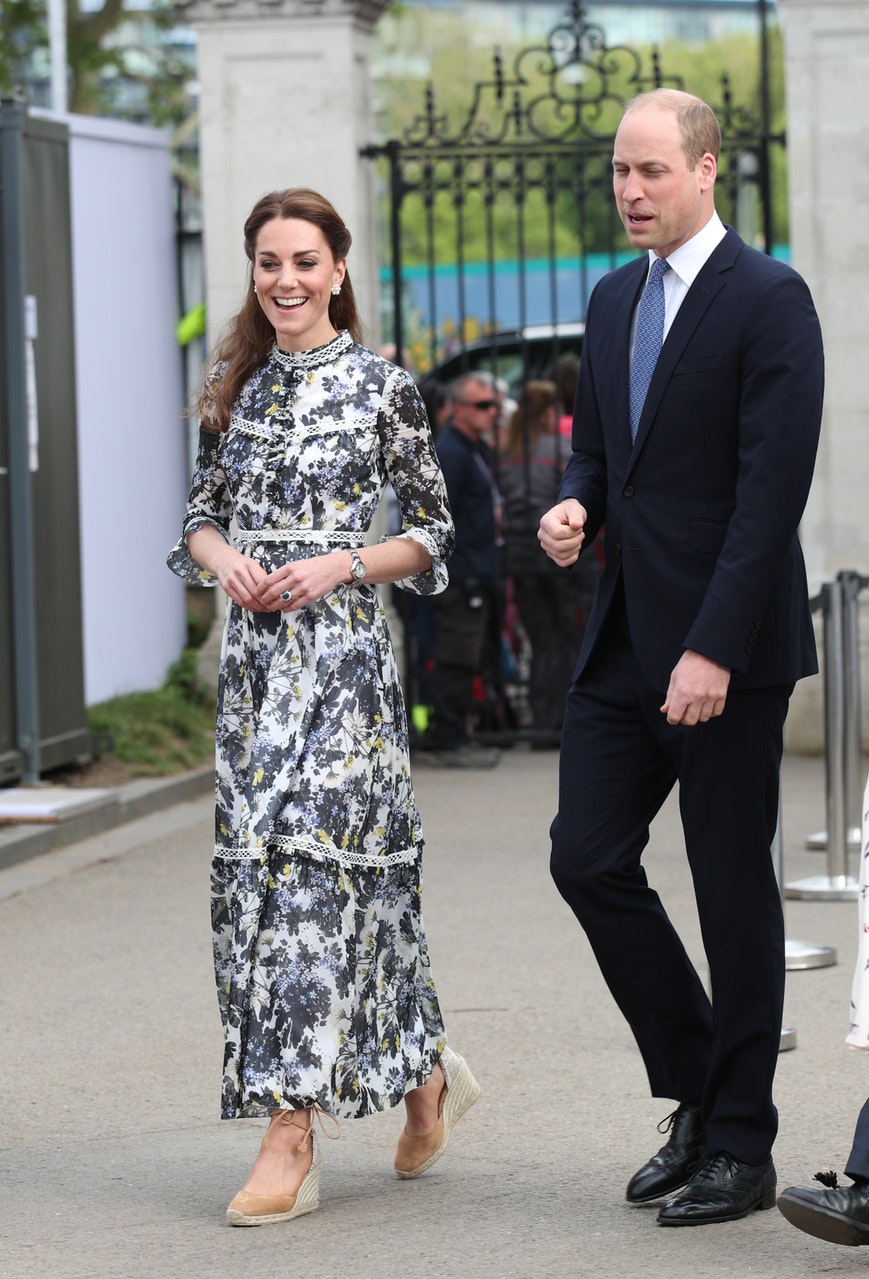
x: 691, y: 256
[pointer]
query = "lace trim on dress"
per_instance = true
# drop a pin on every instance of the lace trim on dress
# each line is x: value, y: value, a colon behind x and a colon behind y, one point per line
x: 313, y: 359
x: 316, y: 850
x: 306, y: 431
x: 258, y: 432
x: 328, y: 537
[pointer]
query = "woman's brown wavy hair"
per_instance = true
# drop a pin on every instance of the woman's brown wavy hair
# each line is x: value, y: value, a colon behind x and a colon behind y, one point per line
x: 246, y: 343
x: 529, y: 418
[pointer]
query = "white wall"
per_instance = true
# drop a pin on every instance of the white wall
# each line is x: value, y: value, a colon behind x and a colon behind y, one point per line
x: 133, y: 467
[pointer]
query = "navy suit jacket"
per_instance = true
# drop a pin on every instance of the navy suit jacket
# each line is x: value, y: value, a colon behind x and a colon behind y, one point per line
x: 701, y: 512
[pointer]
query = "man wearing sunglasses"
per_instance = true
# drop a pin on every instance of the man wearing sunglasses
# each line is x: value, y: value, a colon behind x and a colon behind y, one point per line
x: 465, y: 614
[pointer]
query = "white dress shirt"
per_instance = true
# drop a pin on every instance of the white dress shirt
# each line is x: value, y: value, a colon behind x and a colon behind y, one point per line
x: 685, y: 265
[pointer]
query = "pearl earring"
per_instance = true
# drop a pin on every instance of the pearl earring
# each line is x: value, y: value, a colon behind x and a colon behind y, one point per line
x: 336, y: 289
x: 254, y: 288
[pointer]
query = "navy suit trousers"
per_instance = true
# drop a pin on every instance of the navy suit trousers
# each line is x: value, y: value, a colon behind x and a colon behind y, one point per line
x: 619, y: 761
x: 858, y: 1160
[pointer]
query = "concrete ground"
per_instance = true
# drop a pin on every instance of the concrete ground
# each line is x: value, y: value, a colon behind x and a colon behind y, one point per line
x: 114, y: 1164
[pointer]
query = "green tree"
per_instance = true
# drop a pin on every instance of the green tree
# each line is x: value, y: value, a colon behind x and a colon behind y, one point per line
x: 121, y: 58
x: 23, y: 25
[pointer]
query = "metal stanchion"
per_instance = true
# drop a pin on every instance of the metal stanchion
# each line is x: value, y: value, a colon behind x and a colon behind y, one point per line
x: 788, y: 1038
x: 798, y: 954
x: 852, y: 583
x: 836, y: 885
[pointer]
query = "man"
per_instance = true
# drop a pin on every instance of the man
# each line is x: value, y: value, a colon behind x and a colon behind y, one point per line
x: 700, y: 627
x: 465, y: 614
x: 839, y: 1214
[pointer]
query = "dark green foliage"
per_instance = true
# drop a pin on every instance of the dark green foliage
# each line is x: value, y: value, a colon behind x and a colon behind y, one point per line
x: 165, y: 731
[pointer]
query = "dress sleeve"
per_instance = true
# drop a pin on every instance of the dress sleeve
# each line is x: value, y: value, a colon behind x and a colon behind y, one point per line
x: 208, y: 503
x: 415, y: 474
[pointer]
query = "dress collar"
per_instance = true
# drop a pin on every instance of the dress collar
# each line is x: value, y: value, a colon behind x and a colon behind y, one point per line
x: 315, y: 358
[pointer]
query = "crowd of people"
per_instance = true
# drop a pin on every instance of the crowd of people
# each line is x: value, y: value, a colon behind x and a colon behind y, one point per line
x: 689, y: 452
x: 497, y: 649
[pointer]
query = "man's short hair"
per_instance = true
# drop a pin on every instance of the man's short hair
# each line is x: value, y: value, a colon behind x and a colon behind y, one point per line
x: 698, y: 124
x: 459, y: 387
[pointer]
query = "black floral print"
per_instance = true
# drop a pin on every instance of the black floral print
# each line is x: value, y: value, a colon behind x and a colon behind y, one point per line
x: 323, y: 975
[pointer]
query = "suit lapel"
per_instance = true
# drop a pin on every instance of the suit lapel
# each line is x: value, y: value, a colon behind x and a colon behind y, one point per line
x: 696, y: 302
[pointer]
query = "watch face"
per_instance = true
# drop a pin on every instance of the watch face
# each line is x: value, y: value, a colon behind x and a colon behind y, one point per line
x: 358, y: 568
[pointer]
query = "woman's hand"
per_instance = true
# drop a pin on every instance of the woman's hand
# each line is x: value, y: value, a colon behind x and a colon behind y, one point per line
x: 305, y: 580
x: 240, y: 577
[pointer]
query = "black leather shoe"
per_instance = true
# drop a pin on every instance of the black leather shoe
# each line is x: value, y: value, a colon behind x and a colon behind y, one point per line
x: 839, y: 1215
x: 722, y: 1189
x: 675, y: 1162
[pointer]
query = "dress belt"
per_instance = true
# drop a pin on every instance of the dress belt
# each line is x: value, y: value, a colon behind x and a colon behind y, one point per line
x: 325, y: 537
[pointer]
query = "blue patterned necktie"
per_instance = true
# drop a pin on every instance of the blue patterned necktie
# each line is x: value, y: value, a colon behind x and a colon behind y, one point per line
x: 647, y: 339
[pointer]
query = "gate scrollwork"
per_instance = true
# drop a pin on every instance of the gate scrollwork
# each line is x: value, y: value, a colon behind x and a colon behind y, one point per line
x: 569, y: 88
x: 506, y: 211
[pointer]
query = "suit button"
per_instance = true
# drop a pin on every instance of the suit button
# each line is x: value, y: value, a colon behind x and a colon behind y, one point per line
x: 629, y: 490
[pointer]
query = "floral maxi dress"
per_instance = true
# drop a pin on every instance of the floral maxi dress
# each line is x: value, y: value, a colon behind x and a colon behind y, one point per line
x: 322, y: 969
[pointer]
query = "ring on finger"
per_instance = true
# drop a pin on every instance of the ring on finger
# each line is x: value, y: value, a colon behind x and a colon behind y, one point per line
x: 286, y: 595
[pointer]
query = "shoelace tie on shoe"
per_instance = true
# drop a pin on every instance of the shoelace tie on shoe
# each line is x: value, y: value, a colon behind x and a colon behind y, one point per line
x: 722, y: 1162
x: 321, y: 1116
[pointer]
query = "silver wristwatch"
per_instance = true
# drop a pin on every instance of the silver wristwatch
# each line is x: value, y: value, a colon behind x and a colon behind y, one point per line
x: 357, y: 568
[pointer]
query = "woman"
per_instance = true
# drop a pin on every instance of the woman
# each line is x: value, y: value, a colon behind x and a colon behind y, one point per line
x: 550, y: 602
x: 324, y: 983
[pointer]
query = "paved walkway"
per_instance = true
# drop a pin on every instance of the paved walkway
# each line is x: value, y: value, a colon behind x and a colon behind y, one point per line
x: 114, y: 1165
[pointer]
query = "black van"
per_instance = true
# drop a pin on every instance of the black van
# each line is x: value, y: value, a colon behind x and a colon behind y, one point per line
x: 517, y: 355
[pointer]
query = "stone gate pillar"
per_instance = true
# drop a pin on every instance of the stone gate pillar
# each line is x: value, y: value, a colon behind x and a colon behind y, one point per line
x: 826, y: 48
x: 285, y: 100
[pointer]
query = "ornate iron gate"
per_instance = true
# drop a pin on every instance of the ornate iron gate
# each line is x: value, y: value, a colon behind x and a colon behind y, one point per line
x: 501, y: 224
x: 505, y: 220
